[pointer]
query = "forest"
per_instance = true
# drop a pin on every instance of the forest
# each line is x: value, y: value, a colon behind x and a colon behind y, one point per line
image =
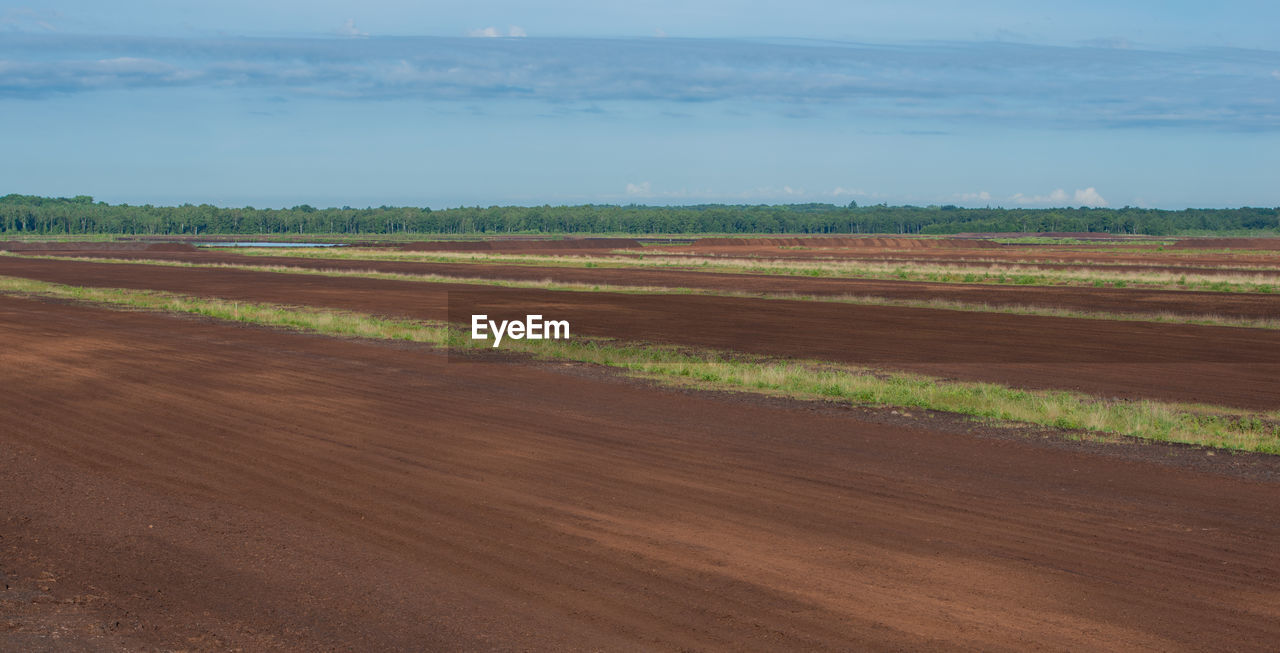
x: 33, y: 215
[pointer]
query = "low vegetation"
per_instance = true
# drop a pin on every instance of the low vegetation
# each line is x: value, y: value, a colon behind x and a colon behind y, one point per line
x: 1051, y: 240
x: 327, y: 322
x: 1261, y: 281
x: 1078, y: 414
x: 862, y: 300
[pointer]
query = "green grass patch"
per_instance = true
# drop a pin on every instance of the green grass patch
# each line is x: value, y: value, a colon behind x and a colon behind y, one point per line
x: 327, y: 322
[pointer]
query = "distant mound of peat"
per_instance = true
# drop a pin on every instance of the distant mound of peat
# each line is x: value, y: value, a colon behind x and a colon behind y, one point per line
x: 521, y: 245
x: 1269, y: 244
x: 89, y: 246
x: 846, y: 242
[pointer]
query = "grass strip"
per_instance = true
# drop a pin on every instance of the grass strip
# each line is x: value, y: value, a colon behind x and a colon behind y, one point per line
x: 1262, y: 281
x: 326, y: 322
x: 1165, y: 317
x: 1211, y: 426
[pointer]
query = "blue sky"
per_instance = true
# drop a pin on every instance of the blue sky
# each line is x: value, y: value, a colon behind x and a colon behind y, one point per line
x: 1165, y: 104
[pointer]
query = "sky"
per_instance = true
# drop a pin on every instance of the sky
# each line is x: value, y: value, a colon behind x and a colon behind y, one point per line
x: 1166, y: 104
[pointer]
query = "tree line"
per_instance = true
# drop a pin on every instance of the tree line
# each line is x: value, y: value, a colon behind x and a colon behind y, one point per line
x: 28, y: 214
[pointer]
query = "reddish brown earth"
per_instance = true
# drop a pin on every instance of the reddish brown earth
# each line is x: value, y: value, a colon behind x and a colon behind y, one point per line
x: 178, y: 484
x: 1111, y: 300
x: 1079, y: 235
x: 848, y: 242
x: 570, y: 245
x: 964, y: 252
x: 969, y: 252
x: 1266, y: 270
x: 73, y: 246
x: 1009, y: 256
x: 1215, y: 365
x: 1272, y: 244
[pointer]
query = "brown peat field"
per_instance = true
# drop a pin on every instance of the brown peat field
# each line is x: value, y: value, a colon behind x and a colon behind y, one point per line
x: 762, y: 444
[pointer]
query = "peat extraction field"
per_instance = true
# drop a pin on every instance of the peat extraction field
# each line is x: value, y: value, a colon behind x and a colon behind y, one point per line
x: 988, y: 442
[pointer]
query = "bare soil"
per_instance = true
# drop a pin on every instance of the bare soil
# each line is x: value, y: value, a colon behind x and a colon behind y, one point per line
x: 1106, y: 300
x: 1112, y: 359
x: 1261, y: 252
x: 180, y: 484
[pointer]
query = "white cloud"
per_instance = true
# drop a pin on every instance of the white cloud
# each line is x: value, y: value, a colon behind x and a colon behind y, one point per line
x: 1058, y: 196
x: 981, y: 196
x: 1063, y: 88
x: 841, y: 191
x: 646, y: 190
x: 349, y: 29
x: 515, y: 31
x: 659, y: 33
x: 1087, y: 197
x: 643, y: 189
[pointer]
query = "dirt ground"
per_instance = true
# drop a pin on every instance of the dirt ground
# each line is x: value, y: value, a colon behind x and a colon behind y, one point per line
x: 1127, y: 300
x: 173, y: 483
x: 1112, y: 359
x: 954, y: 251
